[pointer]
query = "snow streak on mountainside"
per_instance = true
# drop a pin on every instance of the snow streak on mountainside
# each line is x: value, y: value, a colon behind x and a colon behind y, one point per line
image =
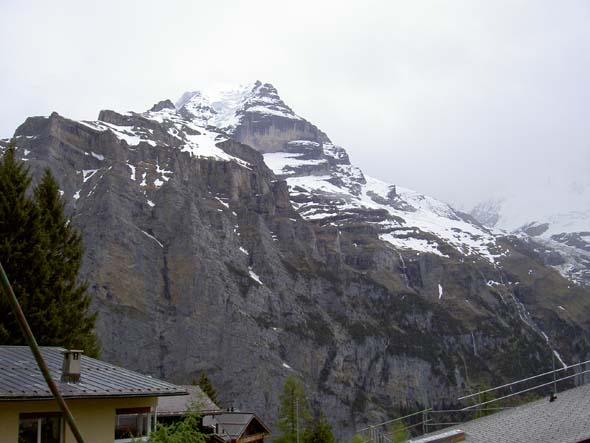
x: 148, y: 127
x: 188, y: 136
x: 161, y: 129
x: 336, y: 194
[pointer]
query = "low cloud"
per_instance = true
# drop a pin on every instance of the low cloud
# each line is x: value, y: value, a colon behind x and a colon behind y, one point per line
x: 461, y: 100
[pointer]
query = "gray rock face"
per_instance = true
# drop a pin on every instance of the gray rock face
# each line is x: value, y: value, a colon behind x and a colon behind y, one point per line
x: 164, y: 104
x: 580, y: 240
x: 535, y: 229
x: 268, y: 133
x: 200, y: 258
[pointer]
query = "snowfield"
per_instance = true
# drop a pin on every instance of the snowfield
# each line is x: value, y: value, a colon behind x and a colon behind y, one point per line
x: 349, y: 189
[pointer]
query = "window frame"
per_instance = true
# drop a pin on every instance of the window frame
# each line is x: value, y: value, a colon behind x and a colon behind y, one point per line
x: 39, y: 416
x: 138, y: 411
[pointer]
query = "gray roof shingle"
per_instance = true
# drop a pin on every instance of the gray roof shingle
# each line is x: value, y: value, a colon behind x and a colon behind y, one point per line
x: 21, y: 379
x: 180, y: 404
x: 565, y: 420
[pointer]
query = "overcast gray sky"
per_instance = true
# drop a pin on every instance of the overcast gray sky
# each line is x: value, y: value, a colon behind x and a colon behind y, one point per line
x: 462, y: 100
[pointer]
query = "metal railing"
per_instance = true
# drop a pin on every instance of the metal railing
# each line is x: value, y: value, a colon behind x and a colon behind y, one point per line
x: 379, y: 433
x: 554, y: 371
x: 430, y: 420
x: 553, y: 382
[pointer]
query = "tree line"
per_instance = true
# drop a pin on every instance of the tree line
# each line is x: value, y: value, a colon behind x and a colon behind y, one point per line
x: 41, y: 253
x: 296, y: 422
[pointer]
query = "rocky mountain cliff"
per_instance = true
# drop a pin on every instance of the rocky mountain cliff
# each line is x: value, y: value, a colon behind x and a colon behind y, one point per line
x: 227, y: 234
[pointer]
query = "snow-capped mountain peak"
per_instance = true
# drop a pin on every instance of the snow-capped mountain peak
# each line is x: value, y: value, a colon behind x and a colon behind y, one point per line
x: 323, y: 185
x: 224, y: 108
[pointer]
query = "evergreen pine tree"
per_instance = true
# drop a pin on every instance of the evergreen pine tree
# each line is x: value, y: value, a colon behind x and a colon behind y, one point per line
x: 399, y: 432
x: 319, y: 431
x: 206, y: 386
x: 189, y: 429
x: 294, y: 416
x: 41, y: 254
x: 21, y: 250
x: 484, y: 410
x: 69, y: 323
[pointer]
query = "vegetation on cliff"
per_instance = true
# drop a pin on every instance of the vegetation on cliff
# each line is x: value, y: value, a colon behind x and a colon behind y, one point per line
x: 207, y: 387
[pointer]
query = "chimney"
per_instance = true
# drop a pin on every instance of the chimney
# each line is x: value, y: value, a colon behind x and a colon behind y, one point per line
x: 70, y: 372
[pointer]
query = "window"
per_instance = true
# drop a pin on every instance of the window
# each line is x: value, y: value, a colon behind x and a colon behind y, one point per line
x: 40, y: 428
x: 132, y: 423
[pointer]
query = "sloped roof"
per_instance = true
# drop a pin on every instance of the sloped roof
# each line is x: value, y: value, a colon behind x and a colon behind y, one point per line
x: 232, y: 424
x: 180, y: 404
x: 565, y: 420
x: 21, y: 379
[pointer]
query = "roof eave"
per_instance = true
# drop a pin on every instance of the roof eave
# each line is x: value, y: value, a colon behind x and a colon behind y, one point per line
x: 89, y: 396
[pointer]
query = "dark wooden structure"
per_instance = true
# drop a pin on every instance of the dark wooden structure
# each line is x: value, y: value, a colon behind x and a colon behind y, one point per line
x: 219, y: 426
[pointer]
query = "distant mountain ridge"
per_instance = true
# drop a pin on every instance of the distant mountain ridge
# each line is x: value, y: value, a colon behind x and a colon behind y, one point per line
x: 565, y: 234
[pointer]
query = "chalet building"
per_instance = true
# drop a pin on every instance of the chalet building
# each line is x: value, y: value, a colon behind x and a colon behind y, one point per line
x: 237, y: 427
x: 565, y: 419
x: 109, y: 403
x: 219, y: 426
